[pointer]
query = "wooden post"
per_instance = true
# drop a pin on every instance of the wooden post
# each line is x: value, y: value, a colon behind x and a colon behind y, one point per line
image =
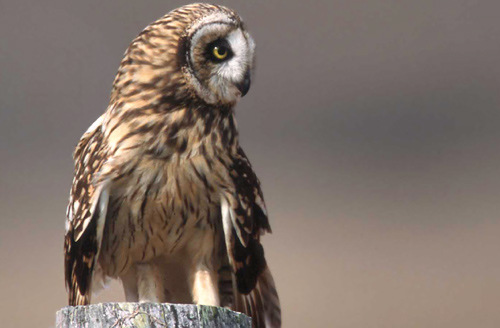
x: 149, y: 315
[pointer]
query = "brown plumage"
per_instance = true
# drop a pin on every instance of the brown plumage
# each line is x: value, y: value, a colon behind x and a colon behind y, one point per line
x: 163, y: 196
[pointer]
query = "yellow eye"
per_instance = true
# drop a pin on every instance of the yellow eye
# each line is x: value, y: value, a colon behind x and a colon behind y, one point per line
x: 220, y: 52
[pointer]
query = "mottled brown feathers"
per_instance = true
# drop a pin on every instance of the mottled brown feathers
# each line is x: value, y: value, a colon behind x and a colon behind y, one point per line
x: 80, y: 244
x: 163, y: 197
x: 250, y: 222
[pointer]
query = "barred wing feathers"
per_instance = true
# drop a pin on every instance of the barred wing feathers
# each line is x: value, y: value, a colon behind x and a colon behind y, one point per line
x: 244, y: 220
x: 85, y: 216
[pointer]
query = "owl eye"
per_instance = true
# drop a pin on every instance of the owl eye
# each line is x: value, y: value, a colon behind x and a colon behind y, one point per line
x: 219, y: 50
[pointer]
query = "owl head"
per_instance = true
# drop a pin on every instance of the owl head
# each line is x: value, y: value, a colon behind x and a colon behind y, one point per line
x: 198, y: 51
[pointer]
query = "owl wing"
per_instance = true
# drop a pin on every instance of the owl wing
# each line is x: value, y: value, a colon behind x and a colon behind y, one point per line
x: 244, y: 220
x: 85, y: 215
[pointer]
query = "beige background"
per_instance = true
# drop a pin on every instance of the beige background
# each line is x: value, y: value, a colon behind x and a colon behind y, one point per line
x: 373, y: 125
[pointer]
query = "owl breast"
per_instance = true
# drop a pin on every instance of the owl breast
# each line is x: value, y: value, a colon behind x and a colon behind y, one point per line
x: 163, y: 209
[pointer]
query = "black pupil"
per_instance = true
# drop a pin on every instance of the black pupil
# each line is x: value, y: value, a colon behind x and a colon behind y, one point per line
x: 221, y: 51
x: 217, y: 49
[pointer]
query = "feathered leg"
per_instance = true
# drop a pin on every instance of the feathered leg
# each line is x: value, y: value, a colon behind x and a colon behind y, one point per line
x: 149, y: 283
x: 129, y: 282
x: 205, y: 288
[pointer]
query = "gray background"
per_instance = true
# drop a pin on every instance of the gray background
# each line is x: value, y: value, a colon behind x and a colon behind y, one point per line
x: 373, y: 125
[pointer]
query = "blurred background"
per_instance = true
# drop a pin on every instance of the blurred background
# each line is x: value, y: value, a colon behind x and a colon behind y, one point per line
x: 372, y: 124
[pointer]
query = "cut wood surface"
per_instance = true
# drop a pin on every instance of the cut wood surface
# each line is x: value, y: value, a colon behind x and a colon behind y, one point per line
x: 154, y: 315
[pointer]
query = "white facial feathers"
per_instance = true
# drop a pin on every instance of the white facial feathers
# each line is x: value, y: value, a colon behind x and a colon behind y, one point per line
x: 235, y: 68
x: 216, y: 82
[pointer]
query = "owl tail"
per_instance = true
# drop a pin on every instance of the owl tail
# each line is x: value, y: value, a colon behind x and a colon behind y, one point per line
x: 262, y: 303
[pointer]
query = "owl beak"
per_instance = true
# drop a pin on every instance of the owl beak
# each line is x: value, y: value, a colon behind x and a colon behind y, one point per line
x: 244, y: 85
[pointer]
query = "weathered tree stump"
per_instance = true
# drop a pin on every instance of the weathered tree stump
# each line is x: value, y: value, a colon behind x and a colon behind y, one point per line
x: 149, y: 315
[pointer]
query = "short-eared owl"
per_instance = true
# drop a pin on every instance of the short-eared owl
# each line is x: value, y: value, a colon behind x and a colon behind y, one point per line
x: 163, y: 196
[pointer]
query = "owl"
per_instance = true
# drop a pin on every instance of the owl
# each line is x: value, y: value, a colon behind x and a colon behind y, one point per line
x: 163, y: 196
